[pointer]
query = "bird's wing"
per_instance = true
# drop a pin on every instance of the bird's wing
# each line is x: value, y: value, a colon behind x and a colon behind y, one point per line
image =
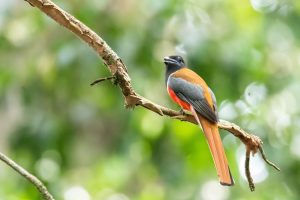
x: 194, y: 95
x: 214, y: 100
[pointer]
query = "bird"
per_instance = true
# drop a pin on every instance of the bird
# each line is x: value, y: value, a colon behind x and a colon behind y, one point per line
x: 190, y: 91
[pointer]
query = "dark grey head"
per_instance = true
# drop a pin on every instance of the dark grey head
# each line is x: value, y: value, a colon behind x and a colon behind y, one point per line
x: 173, y: 63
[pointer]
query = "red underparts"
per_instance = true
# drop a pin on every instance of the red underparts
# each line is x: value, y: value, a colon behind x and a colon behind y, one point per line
x: 173, y: 96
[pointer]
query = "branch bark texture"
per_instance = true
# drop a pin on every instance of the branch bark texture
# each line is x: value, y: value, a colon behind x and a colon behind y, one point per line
x: 122, y: 78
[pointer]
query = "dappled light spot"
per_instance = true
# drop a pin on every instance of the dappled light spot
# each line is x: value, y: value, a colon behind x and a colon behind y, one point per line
x: 295, y: 145
x: 280, y: 37
x: 285, y: 9
x: 187, y: 28
x: 19, y: 31
x: 212, y: 190
x: 227, y: 111
x: 48, y: 169
x: 76, y: 193
x: 255, y: 93
x: 180, y: 49
x: 151, y: 125
x: 258, y: 168
x: 281, y: 109
x: 280, y: 62
x: 264, y: 5
x: 243, y: 107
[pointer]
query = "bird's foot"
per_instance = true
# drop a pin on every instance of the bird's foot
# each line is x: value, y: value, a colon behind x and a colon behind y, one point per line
x: 183, y: 112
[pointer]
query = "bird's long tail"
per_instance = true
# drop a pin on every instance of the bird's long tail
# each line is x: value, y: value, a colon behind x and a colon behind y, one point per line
x: 212, y: 135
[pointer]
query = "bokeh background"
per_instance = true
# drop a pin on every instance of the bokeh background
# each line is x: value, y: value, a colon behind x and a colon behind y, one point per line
x: 82, y: 143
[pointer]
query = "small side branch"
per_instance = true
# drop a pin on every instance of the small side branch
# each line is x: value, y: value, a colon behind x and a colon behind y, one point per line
x: 102, y: 79
x: 266, y: 160
x: 247, y: 170
x: 31, y: 178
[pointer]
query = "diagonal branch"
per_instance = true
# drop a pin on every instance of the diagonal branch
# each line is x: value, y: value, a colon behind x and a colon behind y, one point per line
x: 120, y: 74
x: 31, y: 178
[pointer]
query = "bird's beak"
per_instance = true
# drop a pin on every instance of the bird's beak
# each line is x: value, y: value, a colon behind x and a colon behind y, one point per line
x: 168, y: 60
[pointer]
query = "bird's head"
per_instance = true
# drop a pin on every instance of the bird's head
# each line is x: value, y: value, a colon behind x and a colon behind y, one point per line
x: 174, y: 62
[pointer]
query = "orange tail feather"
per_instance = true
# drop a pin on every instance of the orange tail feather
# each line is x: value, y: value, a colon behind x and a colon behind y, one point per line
x: 216, y: 147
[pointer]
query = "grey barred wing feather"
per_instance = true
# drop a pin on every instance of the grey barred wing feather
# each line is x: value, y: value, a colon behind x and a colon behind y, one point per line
x: 214, y: 102
x: 193, y: 94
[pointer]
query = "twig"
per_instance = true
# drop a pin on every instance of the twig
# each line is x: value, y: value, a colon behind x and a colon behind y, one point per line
x: 266, y: 160
x: 102, y: 79
x: 247, y: 170
x: 31, y: 178
x: 119, y: 70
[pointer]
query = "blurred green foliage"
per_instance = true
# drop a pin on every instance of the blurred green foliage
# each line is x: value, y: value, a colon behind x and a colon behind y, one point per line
x: 82, y: 142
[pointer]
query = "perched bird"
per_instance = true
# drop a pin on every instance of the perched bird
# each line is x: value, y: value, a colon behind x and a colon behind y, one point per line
x: 190, y: 91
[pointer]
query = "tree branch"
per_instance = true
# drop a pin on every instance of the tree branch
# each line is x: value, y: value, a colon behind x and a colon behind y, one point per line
x: 31, y: 178
x: 119, y: 71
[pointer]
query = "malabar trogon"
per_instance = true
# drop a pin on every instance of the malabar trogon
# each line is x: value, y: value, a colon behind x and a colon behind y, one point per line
x: 191, y: 92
